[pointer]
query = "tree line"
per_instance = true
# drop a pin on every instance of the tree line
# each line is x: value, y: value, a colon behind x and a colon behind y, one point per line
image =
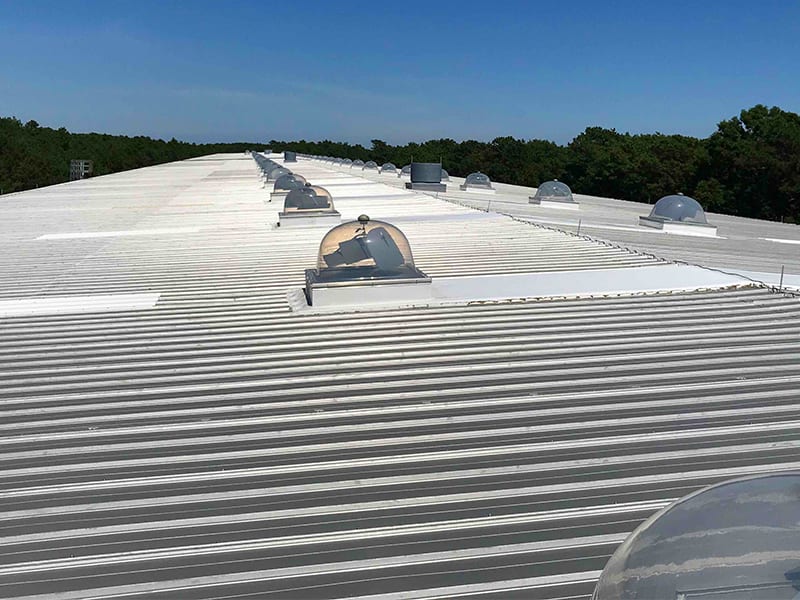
x: 33, y: 156
x: 750, y: 166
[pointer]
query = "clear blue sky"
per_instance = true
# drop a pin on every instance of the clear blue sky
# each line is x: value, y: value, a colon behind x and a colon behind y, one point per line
x: 349, y: 70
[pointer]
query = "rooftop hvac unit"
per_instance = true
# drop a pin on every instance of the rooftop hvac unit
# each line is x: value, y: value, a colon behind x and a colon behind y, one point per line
x: 289, y: 156
x: 426, y: 177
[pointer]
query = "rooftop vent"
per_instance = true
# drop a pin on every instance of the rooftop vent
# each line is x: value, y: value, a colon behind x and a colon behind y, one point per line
x: 357, y: 163
x: 370, y: 164
x: 679, y: 214
x: 554, y: 194
x: 308, y: 206
x: 289, y: 156
x: 388, y: 168
x: 478, y: 182
x: 426, y: 177
x: 405, y: 171
x: 735, y: 540
x: 365, y: 262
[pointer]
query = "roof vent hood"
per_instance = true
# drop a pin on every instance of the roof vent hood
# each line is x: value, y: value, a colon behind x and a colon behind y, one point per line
x: 426, y: 177
x: 365, y: 262
x: 478, y: 182
x: 679, y: 214
x: 554, y: 194
x: 289, y: 156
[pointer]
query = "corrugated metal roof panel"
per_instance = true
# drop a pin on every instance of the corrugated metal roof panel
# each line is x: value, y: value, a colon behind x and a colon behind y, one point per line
x: 218, y: 445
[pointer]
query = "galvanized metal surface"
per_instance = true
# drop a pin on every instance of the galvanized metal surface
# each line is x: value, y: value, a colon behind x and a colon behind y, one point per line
x: 218, y: 445
x: 742, y: 244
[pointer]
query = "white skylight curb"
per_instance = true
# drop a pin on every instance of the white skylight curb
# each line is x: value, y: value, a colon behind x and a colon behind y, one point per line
x: 654, y: 279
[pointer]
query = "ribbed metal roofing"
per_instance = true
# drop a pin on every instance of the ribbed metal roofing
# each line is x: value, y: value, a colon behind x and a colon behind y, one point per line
x: 742, y: 244
x: 218, y: 445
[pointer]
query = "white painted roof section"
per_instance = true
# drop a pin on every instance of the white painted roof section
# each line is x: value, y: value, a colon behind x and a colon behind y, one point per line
x: 54, y: 305
x: 218, y: 444
x: 742, y: 244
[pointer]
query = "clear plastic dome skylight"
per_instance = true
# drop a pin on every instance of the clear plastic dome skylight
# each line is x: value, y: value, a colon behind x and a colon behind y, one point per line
x: 388, y: 168
x: 370, y: 164
x: 679, y: 208
x: 554, y: 191
x: 276, y: 172
x: 737, y: 540
x: 478, y: 180
x: 308, y: 198
x: 358, y: 163
x: 288, y: 182
x: 364, y: 249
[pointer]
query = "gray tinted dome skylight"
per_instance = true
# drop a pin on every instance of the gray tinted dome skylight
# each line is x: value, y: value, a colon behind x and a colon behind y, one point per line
x: 276, y: 172
x: 321, y: 192
x: 554, y: 190
x: 445, y: 175
x: 288, y: 182
x: 736, y: 540
x: 406, y: 170
x: 478, y: 180
x: 370, y: 164
x: 364, y: 250
x: 678, y: 208
x: 308, y: 198
x: 358, y: 163
x: 347, y: 161
x: 388, y: 168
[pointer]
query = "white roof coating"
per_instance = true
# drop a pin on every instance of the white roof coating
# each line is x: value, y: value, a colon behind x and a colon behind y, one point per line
x: 218, y: 444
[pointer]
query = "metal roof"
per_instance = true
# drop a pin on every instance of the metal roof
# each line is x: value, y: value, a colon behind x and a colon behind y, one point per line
x: 216, y: 444
x: 743, y: 245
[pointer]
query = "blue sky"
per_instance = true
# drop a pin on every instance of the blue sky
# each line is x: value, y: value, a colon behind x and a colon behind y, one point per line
x: 407, y: 71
